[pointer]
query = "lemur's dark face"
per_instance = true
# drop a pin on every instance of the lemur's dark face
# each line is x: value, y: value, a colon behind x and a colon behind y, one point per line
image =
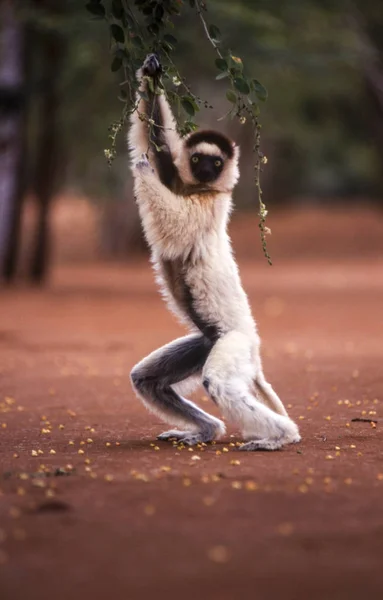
x: 205, y: 167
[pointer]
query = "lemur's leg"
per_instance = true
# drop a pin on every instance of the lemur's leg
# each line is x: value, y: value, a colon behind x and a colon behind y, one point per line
x: 228, y: 377
x: 154, y: 377
x: 267, y: 395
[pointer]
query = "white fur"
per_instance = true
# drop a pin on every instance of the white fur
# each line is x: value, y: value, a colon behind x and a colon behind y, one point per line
x: 195, y: 227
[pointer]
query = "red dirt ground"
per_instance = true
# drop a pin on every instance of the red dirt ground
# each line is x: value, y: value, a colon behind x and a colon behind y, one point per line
x: 129, y: 520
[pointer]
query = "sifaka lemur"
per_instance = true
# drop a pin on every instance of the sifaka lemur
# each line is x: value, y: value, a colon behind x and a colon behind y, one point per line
x: 183, y: 187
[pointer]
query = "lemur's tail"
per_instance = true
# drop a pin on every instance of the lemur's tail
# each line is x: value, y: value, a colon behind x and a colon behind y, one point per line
x: 267, y: 395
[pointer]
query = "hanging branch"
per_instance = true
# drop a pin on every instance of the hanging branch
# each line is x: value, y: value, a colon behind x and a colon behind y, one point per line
x: 142, y: 26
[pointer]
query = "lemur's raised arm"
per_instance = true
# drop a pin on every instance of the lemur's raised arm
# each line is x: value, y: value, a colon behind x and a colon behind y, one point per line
x: 183, y: 188
x: 153, y: 126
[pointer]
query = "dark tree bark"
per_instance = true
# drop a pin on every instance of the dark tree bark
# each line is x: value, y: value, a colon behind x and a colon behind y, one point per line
x: 45, y: 176
x: 12, y: 135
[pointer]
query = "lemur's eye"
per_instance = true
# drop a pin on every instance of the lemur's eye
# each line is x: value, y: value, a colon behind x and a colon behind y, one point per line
x: 218, y: 163
x: 195, y: 159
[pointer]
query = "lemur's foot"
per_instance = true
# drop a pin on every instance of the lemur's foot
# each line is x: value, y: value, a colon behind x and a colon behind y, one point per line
x: 268, y: 444
x: 152, y: 65
x: 189, y: 438
x: 143, y: 165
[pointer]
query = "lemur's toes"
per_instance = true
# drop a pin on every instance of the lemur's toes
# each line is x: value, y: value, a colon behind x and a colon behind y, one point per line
x: 152, y: 65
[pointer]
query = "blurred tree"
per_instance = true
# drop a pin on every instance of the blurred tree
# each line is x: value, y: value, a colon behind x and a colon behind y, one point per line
x: 12, y: 133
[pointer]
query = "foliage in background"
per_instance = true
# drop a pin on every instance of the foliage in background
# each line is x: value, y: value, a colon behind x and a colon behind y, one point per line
x: 320, y: 122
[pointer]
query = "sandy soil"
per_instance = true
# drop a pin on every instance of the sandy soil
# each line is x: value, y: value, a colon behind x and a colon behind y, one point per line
x: 92, y: 507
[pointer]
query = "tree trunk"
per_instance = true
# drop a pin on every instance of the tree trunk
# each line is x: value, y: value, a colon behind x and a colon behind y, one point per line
x: 12, y: 134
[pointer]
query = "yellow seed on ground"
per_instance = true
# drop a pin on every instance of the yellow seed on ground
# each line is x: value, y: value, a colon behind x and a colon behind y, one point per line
x: 24, y: 476
x: 301, y: 417
x: 50, y: 493
x: 285, y: 529
x: 118, y: 444
x: 156, y: 448
x: 34, y: 453
x: 337, y: 447
x: 303, y: 488
x: 237, y: 485
x: 215, y: 478
x: 45, y: 430
x: 71, y: 443
x: 225, y: 449
x: 340, y: 402
x: 195, y: 457
x: 190, y: 449
x: 218, y: 452
x: 89, y: 441
x: 52, y: 451
x: 379, y: 477
x: 87, y: 461
x: 235, y: 462
x: 352, y: 446
x: 328, y: 418
x: 327, y: 480
x: 348, y: 481
x: 61, y: 426
x: 82, y: 443
x: 251, y: 486
x: 219, y: 554
x: 329, y: 457
x: 348, y: 425
x: 309, y: 480
x: 165, y: 468
x: 80, y: 451
x: 15, y: 455
x: 109, y: 477
x: 88, y: 469
x: 149, y: 510
x: 186, y: 482
x: 40, y: 452
x: 69, y: 467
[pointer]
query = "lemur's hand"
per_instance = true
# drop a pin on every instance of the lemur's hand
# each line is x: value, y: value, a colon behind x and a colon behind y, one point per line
x: 152, y: 66
x: 143, y: 165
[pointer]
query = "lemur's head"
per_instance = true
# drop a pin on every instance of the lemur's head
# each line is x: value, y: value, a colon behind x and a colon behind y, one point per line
x: 209, y: 158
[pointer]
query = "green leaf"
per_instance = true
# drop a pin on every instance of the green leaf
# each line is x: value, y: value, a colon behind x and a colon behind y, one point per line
x: 188, y: 106
x: 170, y: 39
x: 231, y: 96
x: 260, y: 90
x: 214, y: 33
x: 143, y: 95
x: 118, y: 33
x: 222, y: 76
x: 116, y: 64
x: 117, y: 9
x: 95, y: 9
x: 241, y: 85
x: 221, y: 64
